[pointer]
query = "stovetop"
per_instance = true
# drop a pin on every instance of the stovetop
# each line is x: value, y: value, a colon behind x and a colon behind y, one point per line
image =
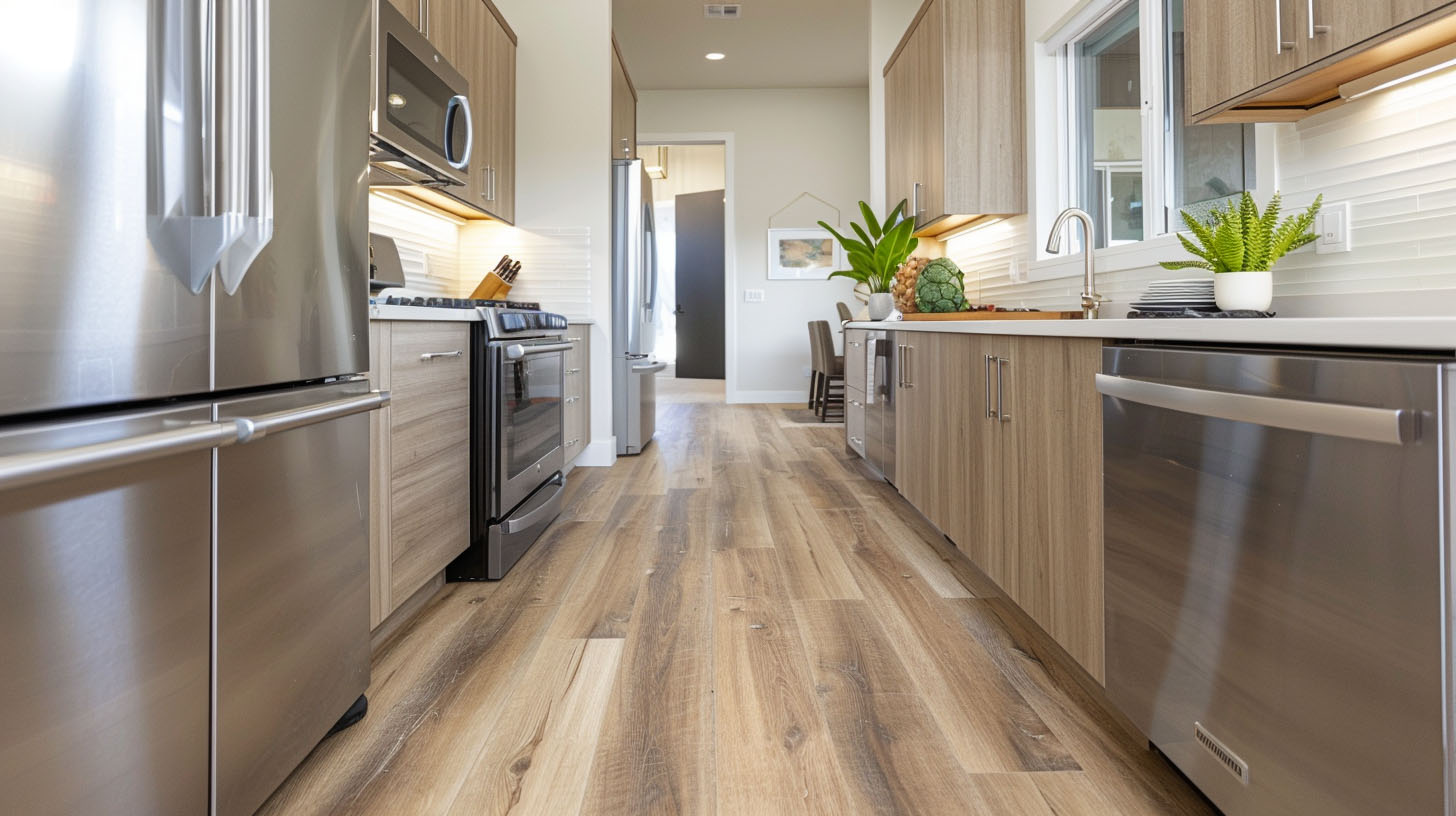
x: 460, y: 303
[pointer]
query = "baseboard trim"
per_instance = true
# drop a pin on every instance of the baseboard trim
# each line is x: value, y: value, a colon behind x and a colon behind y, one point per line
x: 770, y: 397
x: 600, y: 453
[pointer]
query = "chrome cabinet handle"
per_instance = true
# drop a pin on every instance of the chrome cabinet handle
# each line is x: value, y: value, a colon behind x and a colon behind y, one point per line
x: 1315, y: 29
x: 425, y: 17
x: 572, y: 339
x: 570, y: 400
x: 1390, y: 426
x: 626, y: 148
x: 1280, y: 44
x: 1001, y: 391
x: 856, y: 403
x: 915, y: 209
x: 990, y: 412
x: 909, y: 381
x: 432, y: 355
x: 573, y: 371
x: 25, y: 469
x: 572, y: 443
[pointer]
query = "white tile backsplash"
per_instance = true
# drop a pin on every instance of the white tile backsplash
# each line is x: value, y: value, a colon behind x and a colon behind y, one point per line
x: 429, y: 244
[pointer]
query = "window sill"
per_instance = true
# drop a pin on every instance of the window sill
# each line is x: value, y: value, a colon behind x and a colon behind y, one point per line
x: 1138, y: 255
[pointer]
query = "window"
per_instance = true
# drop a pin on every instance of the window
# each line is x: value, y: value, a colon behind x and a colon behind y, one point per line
x: 1134, y: 162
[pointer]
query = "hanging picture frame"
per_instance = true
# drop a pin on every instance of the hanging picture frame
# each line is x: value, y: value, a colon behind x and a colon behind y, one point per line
x: 803, y: 253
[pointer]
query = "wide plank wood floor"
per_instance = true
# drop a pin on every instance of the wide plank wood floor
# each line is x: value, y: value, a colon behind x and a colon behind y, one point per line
x: 738, y: 621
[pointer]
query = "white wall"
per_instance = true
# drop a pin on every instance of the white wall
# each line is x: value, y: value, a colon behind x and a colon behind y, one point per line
x: 1392, y: 155
x: 784, y: 142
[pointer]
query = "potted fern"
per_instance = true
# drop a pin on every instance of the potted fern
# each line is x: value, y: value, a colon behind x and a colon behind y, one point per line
x: 874, y: 258
x: 1240, y: 245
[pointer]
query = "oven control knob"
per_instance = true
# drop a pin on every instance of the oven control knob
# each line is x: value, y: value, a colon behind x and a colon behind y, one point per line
x: 515, y: 351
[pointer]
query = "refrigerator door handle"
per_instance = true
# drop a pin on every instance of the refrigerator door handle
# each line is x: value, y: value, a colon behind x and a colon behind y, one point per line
x: 649, y: 254
x: 183, y: 225
x: 651, y: 368
x: 252, y: 429
x: 26, y: 469
x: 247, y: 171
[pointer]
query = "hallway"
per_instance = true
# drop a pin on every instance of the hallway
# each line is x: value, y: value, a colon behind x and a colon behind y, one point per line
x: 736, y: 622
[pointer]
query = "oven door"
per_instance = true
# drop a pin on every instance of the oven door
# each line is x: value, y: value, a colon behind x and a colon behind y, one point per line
x: 527, y: 428
x: 421, y: 114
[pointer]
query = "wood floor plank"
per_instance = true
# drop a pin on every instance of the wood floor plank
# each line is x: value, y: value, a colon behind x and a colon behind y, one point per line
x: 737, y: 519
x: 600, y: 600
x: 811, y: 560
x: 656, y: 753
x: 890, y: 749
x: 1009, y: 794
x: 1072, y: 793
x: 988, y: 724
x: 773, y: 749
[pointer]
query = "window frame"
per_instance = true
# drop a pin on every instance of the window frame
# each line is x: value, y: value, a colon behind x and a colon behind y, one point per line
x: 1159, y: 134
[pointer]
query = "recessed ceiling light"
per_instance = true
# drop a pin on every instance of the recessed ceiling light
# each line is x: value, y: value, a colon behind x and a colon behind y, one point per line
x: 715, y: 56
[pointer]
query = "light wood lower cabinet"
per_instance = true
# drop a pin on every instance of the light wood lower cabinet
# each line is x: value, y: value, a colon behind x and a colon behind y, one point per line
x: 420, y: 455
x: 999, y: 445
x: 577, y: 413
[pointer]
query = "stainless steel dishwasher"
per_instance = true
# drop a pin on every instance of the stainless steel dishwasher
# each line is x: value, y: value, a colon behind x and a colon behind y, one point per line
x: 1277, y: 580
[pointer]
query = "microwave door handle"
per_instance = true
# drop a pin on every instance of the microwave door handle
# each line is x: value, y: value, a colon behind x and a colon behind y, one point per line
x: 183, y: 227
x: 248, y: 173
x: 458, y: 106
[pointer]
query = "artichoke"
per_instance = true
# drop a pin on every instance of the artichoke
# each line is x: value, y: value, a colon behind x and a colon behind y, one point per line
x: 941, y: 287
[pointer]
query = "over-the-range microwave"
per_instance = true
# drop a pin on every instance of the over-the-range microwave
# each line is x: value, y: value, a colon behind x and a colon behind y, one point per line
x: 420, y: 122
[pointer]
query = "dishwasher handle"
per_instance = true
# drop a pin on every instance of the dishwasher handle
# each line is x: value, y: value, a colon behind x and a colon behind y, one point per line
x: 1389, y: 426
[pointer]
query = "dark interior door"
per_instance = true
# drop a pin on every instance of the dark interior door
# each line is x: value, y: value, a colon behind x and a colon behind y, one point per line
x: 699, y: 308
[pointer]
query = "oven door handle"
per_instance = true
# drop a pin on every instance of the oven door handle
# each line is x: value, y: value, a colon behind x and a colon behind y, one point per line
x: 549, y: 508
x: 516, y: 351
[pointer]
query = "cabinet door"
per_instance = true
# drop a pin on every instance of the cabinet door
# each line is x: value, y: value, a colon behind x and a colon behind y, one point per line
x: 975, y: 514
x: 1053, y: 474
x: 1235, y: 46
x: 500, y: 119
x: 1351, y: 22
x: 901, y: 132
x: 429, y: 451
x: 624, y: 110
x: 929, y: 49
x: 410, y: 9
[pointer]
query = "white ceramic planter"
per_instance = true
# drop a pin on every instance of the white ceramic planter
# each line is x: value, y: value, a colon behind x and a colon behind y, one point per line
x: 881, y: 305
x: 1240, y: 291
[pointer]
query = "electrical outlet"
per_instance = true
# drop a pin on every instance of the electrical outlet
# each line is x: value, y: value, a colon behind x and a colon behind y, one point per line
x: 1332, y: 225
x: 1018, y: 270
x: 807, y: 371
x: 752, y: 295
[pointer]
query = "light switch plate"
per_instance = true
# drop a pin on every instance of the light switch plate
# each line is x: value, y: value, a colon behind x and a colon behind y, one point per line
x: 1332, y: 225
x: 752, y: 295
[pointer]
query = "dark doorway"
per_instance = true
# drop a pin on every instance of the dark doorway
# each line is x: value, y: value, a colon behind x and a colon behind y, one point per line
x: 699, y: 307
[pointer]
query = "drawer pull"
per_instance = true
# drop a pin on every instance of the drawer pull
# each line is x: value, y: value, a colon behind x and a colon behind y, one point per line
x: 572, y: 443
x: 573, y: 371
x: 431, y: 355
x: 570, y: 400
x: 572, y: 339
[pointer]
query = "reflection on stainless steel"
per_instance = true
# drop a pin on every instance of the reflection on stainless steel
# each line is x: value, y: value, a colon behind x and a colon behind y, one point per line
x: 292, y: 582
x: 298, y: 318
x: 420, y: 105
x: 1274, y: 585
x: 1091, y: 301
x: 880, y: 410
x: 104, y: 626
x: 634, y: 288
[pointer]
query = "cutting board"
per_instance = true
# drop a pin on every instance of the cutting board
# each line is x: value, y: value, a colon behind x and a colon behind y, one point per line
x: 994, y: 316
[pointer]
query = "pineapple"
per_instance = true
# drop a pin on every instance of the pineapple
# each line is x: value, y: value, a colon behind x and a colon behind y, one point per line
x: 904, y: 286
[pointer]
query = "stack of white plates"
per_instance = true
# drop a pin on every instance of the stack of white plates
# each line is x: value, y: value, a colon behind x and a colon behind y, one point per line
x: 1177, y: 296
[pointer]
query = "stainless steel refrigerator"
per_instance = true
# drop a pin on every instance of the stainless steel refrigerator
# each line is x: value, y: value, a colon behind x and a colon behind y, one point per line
x: 184, y: 480
x: 634, y: 307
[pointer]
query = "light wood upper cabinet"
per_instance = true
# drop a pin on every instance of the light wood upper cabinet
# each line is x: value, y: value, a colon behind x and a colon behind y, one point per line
x: 999, y: 445
x: 955, y: 114
x: 1280, y: 60
x: 624, y: 108
x: 498, y: 178
x: 410, y: 9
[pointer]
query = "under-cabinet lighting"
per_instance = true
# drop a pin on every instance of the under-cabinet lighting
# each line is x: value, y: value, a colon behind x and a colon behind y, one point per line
x: 714, y: 56
x: 1413, y: 68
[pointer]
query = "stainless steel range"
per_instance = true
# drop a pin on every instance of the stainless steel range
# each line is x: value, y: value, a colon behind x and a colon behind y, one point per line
x: 517, y: 452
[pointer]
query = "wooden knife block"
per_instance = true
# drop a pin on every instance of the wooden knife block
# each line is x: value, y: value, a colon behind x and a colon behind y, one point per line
x: 492, y: 287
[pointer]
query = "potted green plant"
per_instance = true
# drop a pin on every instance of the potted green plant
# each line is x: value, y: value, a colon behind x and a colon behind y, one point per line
x: 873, y: 259
x: 1240, y: 245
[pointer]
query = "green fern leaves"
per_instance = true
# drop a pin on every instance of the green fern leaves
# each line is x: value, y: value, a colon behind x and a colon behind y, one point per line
x: 1239, y: 238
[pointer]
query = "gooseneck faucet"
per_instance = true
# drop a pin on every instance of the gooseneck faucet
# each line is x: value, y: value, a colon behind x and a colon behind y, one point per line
x: 1090, y: 299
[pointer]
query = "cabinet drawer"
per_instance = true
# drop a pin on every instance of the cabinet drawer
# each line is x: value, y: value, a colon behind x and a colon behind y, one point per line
x: 854, y: 419
x: 429, y: 451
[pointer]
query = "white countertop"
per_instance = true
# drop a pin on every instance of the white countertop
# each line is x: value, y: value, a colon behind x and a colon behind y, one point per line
x: 381, y: 311
x: 1414, y: 333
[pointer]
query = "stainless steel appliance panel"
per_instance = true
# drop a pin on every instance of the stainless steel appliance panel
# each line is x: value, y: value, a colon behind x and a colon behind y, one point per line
x: 529, y: 384
x: 103, y: 208
x: 105, y: 625
x: 510, y: 537
x: 880, y: 412
x: 1274, y: 577
x: 292, y: 584
x: 634, y: 261
x: 300, y: 310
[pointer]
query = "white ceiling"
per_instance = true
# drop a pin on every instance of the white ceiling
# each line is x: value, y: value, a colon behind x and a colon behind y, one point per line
x: 774, y: 44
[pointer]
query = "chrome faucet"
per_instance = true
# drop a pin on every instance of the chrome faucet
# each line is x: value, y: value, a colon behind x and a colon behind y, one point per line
x: 1090, y: 299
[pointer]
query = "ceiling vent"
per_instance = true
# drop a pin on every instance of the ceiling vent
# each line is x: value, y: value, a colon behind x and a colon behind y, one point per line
x: 723, y: 11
